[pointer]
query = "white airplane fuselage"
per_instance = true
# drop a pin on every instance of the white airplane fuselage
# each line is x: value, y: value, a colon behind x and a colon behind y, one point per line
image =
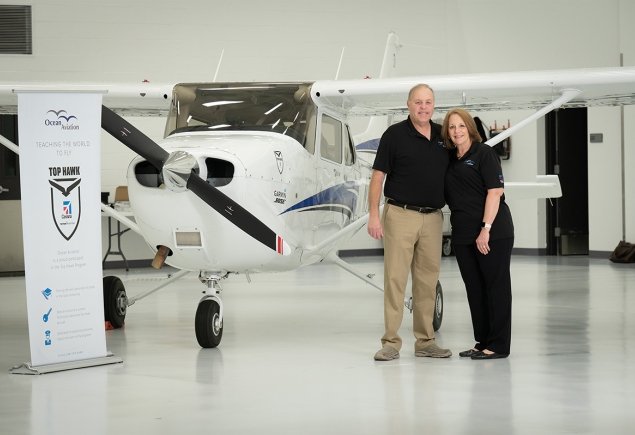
x: 300, y: 195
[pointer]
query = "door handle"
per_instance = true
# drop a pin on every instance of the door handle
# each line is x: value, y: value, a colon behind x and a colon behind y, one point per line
x: 2, y: 189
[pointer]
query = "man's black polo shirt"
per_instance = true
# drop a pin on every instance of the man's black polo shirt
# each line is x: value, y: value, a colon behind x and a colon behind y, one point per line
x: 415, y: 166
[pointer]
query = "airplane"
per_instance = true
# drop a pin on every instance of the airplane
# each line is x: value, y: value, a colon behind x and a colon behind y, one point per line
x: 266, y: 176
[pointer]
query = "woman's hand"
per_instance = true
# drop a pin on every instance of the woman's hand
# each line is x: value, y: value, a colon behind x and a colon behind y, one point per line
x: 482, y: 241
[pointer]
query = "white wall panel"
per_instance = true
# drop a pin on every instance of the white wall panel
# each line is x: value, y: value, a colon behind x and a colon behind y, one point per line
x: 605, y: 174
x: 627, y: 47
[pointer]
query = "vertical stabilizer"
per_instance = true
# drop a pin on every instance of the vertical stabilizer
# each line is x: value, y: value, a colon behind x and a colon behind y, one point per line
x: 368, y: 140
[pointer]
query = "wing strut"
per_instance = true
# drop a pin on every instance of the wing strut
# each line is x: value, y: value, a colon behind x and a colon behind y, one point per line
x: 7, y: 143
x: 350, y: 269
x: 567, y: 95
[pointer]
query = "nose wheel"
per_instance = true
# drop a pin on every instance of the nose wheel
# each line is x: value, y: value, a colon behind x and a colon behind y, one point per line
x: 208, y: 322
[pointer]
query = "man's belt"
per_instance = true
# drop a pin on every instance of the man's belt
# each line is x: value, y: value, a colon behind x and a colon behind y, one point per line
x: 416, y: 208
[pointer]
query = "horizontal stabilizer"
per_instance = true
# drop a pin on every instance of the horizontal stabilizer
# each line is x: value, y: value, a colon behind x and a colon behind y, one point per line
x: 545, y: 186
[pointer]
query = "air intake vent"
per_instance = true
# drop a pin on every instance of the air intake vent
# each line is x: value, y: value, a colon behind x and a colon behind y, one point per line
x: 15, y: 29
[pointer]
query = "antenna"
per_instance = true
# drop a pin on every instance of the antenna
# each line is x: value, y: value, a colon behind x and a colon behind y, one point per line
x: 339, y: 66
x: 220, y: 60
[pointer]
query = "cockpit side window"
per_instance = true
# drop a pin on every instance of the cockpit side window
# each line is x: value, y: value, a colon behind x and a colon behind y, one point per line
x: 331, y: 139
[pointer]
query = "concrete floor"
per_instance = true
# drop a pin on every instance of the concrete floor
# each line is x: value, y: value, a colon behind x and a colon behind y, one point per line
x: 296, y: 358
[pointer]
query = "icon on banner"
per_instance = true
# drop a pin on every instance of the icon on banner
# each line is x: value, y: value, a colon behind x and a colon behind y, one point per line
x: 47, y: 293
x: 67, y: 207
x: 45, y: 317
x: 47, y: 338
x: 66, y: 201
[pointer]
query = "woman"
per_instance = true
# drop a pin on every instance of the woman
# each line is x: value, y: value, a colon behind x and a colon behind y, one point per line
x: 482, y: 234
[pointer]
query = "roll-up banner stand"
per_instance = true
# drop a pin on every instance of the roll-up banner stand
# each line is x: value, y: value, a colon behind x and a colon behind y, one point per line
x: 60, y: 180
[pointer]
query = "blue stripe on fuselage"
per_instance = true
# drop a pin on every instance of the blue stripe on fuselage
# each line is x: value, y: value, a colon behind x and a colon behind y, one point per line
x: 372, y: 145
x: 341, y: 197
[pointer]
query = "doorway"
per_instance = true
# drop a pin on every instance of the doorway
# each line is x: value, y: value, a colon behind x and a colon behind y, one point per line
x: 567, y: 156
x: 12, y: 254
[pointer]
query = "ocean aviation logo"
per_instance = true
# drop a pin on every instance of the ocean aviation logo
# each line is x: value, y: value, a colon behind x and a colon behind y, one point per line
x: 62, y: 119
x: 66, y: 199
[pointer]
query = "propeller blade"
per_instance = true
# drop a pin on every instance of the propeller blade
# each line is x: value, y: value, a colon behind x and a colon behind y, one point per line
x: 138, y: 142
x: 239, y: 216
x: 131, y: 137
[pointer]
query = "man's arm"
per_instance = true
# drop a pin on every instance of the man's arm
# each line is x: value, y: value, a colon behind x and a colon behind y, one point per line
x: 374, y: 194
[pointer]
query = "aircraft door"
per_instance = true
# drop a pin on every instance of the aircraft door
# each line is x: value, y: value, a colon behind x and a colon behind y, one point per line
x: 353, y: 174
x: 330, y: 173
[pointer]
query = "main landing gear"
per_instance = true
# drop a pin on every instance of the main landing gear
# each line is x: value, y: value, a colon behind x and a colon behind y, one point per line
x: 115, y: 301
x: 438, y: 307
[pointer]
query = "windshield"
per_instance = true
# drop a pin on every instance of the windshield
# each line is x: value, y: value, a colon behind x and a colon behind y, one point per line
x: 284, y: 108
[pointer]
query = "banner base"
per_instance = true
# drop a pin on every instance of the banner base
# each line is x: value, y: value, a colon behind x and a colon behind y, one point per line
x: 28, y: 369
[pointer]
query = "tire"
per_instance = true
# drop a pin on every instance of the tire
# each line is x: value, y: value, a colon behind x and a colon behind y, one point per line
x: 438, y: 308
x: 208, y: 324
x: 447, y: 247
x: 115, y: 301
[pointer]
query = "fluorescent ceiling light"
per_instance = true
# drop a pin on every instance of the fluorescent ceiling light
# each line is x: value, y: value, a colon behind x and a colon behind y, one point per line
x: 273, y: 108
x: 235, y: 88
x: 220, y: 103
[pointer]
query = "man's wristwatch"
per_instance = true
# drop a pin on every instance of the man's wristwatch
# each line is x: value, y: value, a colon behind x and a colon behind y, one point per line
x: 486, y: 225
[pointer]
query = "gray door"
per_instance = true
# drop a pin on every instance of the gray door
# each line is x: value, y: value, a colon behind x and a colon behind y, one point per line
x: 12, y: 251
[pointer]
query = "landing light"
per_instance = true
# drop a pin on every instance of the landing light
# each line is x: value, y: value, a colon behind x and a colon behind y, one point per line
x: 188, y: 239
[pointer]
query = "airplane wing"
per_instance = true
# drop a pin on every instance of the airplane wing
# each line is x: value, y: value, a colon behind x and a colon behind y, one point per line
x: 367, y: 97
x: 373, y: 97
x: 479, y: 92
x: 125, y: 98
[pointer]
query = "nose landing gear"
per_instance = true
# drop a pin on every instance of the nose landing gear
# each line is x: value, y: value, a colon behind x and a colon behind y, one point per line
x: 208, y: 322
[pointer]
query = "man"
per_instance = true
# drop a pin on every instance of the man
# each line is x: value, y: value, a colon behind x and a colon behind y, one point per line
x: 412, y: 158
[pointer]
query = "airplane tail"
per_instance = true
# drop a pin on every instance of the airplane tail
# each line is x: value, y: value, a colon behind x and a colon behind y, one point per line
x: 368, y: 140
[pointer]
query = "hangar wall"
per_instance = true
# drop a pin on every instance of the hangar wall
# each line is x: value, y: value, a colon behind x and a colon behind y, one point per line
x: 122, y: 41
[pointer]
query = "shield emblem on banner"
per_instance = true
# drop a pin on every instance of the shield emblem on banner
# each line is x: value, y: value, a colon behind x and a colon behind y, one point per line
x: 66, y: 205
x: 279, y: 160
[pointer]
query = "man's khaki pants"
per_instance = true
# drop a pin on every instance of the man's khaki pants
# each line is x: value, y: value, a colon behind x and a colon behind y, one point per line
x: 412, y: 243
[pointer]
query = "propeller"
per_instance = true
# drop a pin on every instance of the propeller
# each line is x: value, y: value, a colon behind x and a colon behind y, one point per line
x: 178, y: 175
